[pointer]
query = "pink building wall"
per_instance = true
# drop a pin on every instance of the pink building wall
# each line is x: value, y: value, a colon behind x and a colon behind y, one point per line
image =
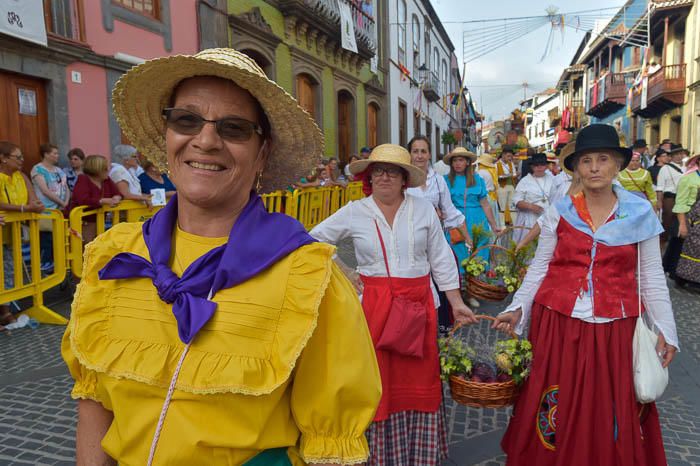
x: 88, y: 105
x: 88, y: 110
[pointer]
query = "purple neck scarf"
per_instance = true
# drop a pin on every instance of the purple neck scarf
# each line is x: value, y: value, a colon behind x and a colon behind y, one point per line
x: 257, y: 240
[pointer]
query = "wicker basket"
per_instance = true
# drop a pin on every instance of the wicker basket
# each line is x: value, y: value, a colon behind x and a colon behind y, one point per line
x: 481, y: 290
x: 479, y: 394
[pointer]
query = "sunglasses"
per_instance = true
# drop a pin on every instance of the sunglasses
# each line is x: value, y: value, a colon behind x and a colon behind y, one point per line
x: 189, y: 123
x: 392, y: 172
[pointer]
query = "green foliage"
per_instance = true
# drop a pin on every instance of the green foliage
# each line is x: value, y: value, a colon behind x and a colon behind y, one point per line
x: 448, y: 138
x: 514, y: 357
x: 455, y: 357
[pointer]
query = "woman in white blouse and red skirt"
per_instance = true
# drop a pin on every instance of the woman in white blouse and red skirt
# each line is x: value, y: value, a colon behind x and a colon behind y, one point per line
x: 578, y: 407
x: 399, y: 243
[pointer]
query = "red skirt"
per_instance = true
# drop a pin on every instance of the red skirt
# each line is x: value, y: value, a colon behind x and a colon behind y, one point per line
x: 408, y: 384
x: 578, y: 406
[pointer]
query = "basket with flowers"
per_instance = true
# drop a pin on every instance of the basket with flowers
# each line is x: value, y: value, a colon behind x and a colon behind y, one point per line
x: 489, y: 377
x: 493, y: 280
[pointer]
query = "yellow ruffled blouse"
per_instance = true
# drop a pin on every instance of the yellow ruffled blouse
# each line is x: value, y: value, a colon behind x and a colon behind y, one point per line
x: 286, y: 361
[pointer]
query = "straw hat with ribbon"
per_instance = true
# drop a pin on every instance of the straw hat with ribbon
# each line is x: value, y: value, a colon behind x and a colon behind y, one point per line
x: 459, y: 152
x: 395, y: 155
x: 487, y: 160
x: 140, y: 96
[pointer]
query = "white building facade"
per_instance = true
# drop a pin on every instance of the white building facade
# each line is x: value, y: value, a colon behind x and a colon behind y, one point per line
x: 541, y: 129
x: 423, y: 75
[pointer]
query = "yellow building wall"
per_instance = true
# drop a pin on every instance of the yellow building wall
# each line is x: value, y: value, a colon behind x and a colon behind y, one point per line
x: 691, y: 119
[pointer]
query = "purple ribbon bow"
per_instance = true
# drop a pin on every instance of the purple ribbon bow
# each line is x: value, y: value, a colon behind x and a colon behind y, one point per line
x: 257, y: 240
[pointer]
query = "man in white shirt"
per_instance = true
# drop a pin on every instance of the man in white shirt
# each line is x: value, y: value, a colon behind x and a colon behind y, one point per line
x: 667, y: 186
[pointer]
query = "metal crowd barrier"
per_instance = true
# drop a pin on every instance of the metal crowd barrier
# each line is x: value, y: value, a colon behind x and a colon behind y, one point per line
x: 24, y: 228
x: 309, y: 205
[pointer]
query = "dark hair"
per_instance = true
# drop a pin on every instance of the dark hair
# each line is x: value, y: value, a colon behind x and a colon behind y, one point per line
x: 46, y: 148
x: 419, y: 138
x: 508, y: 149
x: 78, y: 152
x: 7, y: 147
x: 468, y: 173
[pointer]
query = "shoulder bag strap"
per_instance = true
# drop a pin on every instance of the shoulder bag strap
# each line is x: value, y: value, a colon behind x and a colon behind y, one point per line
x: 381, y: 242
x: 637, y: 185
x: 639, y: 279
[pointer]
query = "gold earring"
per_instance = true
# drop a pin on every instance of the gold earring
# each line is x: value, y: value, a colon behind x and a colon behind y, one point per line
x: 258, y: 184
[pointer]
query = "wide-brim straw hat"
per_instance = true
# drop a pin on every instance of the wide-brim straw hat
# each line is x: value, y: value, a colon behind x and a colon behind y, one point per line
x: 459, y: 152
x: 566, y: 152
x: 487, y: 160
x: 395, y: 155
x: 140, y: 96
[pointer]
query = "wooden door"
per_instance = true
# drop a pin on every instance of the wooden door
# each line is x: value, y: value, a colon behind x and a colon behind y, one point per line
x: 344, y: 126
x: 306, y: 95
x: 372, y: 128
x: 24, y: 124
x: 403, y: 124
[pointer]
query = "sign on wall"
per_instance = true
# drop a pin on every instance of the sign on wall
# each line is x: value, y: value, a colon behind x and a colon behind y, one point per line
x: 23, y: 19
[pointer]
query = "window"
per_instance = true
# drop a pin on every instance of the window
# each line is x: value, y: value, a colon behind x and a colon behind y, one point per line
x: 429, y: 130
x: 65, y: 18
x: 403, y: 129
x: 444, y: 81
x: 426, y: 43
x: 437, y: 143
x: 146, y: 7
x: 402, y: 31
x: 415, y: 33
x: 416, y: 124
x: 436, y: 62
x: 372, y: 124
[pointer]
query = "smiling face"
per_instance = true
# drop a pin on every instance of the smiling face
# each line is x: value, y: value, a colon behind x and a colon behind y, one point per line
x: 12, y: 162
x: 459, y: 164
x: 210, y: 171
x: 420, y: 154
x: 51, y: 157
x: 598, y: 169
x: 388, y: 180
x: 635, y: 162
x: 507, y: 157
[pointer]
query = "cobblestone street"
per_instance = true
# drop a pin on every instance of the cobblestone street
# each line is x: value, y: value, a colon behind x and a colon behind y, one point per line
x: 37, y: 416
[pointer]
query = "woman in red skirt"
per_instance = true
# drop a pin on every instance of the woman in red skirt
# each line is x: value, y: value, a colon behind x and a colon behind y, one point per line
x: 399, y: 243
x: 578, y: 407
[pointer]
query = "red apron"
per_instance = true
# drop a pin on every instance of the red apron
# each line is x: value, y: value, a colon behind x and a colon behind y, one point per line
x: 408, y: 384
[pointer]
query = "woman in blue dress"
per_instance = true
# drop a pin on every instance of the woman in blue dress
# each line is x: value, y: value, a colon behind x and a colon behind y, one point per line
x: 469, y: 196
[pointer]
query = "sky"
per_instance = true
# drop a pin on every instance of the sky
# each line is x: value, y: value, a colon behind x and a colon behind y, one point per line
x: 493, y: 80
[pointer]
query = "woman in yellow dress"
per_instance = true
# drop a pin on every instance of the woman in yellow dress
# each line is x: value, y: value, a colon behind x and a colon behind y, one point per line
x: 217, y: 333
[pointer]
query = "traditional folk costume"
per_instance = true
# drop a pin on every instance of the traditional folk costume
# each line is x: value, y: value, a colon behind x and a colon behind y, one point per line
x: 535, y: 190
x: 669, y: 177
x: 437, y: 193
x: 409, y: 427
x: 688, y: 203
x: 578, y: 406
x: 241, y: 328
x: 507, y: 180
x: 488, y: 172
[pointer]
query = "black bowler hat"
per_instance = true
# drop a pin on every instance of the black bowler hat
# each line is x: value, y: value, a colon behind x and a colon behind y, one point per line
x: 538, y: 159
x: 639, y: 144
x: 676, y: 148
x: 598, y: 137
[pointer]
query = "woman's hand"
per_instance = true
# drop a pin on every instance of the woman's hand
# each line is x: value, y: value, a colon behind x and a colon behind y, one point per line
x: 536, y: 209
x: 34, y: 206
x: 357, y: 282
x: 463, y: 315
x: 682, y: 230
x: 665, y: 351
x: 507, y: 321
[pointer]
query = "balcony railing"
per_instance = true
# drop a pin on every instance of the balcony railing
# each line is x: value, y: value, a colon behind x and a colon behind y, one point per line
x: 665, y: 89
x: 324, y: 16
x: 64, y: 18
x: 431, y: 88
x: 608, y: 95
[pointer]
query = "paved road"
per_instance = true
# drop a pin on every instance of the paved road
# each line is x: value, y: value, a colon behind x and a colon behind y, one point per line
x: 37, y: 417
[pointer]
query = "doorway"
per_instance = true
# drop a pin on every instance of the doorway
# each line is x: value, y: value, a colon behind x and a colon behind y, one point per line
x: 23, y: 117
x: 345, y: 126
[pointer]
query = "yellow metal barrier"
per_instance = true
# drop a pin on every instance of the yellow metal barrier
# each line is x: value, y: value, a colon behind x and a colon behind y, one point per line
x: 24, y: 228
x: 126, y: 211
x: 353, y: 192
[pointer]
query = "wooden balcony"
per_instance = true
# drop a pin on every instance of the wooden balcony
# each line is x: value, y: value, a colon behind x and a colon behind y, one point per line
x: 319, y: 20
x: 665, y: 90
x: 608, y: 96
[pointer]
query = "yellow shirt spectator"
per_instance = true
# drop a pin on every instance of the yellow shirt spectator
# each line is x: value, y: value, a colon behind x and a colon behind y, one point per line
x: 638, y: 181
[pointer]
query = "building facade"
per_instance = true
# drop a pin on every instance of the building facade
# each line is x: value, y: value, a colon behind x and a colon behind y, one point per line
x: 60, y: 91
x: 298, y: 43
x: 543, y: 115
x: 691, y: 110
x: 424, y: 79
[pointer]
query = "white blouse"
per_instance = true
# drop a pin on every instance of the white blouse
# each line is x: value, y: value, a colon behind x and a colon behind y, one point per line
x: 667, y: 181
x: 437, y: 192
x: 655, y: 296
x: 415, y: 245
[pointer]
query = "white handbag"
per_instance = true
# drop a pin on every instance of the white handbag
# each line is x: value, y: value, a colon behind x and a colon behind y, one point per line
x: 650, y: 377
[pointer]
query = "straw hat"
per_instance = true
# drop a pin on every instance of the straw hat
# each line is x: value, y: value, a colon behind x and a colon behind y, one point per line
x: 551, y: 157
x: 395, y: 155
x: 487, y: 160
x: 566, y: 152
x: 140, y: 96
x: 459, y: 152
